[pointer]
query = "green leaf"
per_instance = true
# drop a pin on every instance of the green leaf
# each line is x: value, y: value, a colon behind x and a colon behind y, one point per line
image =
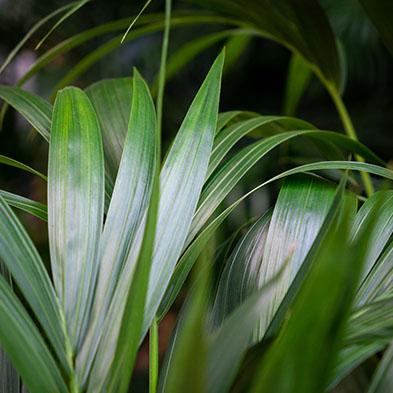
x: 16, y: 164
x: 112, y: 99
x: 120, y: 244
x: 75, y: 205
x: 298, y: 77
x: 379, y: 280
x: 34, y: 109
x: 382, y: 380
x: 31, y: 32
x: 379, y: 207
x: 187, y: 261
x: 239, y: 278
x: 182, y: 372
x: 351, y: 357
x: 77, y: 5
x: 35, y: 208
x: 302, y: 356
x: 260, y: 126
x: 25, y: 346
x: 229, y: 174
x: 182, y: 178
x: 9, y: 378
x: 230, y: 341
x: 23, y: 262
x: 380, y: 12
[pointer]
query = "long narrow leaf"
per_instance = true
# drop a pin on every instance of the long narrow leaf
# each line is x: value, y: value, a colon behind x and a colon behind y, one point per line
x: 26, y: 347
x: 75, y: 204
x: 23, y: 262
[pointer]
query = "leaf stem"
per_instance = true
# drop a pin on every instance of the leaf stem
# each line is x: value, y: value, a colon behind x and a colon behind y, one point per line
x: 161, y: 75
x: 350, y: 131
x: 153, y: 356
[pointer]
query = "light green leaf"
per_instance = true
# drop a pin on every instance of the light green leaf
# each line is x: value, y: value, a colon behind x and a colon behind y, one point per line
x: 26, y: 347
x: 230, y: 341
x: 229, y: 174
x: 112, y: 99
x: 383, y: 378
x: 379, y: 280
x: 75, y: 205
x: 240, y: 274
x: 314, y: 333
x: 119, y: 240
x: 34, y: 109
x: 35, y: 208
x: 380, y: 207
x: 23, y: 262
x: 182, y: 178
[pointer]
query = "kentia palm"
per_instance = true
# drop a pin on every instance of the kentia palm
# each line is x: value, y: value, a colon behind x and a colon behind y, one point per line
x: 105, y: 281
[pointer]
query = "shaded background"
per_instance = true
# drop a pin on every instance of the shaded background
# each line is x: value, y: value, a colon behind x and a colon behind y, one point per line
x: 255, y: 81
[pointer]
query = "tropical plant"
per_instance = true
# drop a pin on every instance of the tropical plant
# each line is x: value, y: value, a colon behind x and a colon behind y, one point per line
x: 301, y: 301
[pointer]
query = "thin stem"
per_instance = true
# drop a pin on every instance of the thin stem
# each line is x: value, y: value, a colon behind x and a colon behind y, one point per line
x: 161, y: 75
x: 350, y: 131
x: 153, y: 337
x: 153, y: 356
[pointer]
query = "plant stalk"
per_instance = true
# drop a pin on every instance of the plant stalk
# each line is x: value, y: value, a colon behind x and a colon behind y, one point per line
x: 350, y: 131
x: 153, y: 356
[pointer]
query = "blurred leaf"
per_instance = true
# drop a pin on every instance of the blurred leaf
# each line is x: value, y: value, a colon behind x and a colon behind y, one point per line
x: 351, y: 357
x: 120, y: 242
x: 298, y: 77
x: 230, y: 341
x: 191, y: 49
x: 32, y: 31
x: 379, y: 280
x: 235, y: 47
x: 239, y: 278
x: 380, y: 12
x: 185, y: 372
x: 25, y: 346
x: 77, y: 5
x: 23, y: 262
x: 75, y: 205
x: 35, y: 208
x: 300, y: 25
x: 302, y: 356
x: 380, y: 207
x: 9, y: 378
x: 33, y: 108
x: 16, y: 164
x: 383, y: 378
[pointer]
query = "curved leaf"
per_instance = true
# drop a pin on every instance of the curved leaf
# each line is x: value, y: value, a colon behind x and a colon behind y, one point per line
x: 34, y: 109
x: 126, y: 211
x: 23, y: 262
x: 35, y: 208
x: 25, y: 346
